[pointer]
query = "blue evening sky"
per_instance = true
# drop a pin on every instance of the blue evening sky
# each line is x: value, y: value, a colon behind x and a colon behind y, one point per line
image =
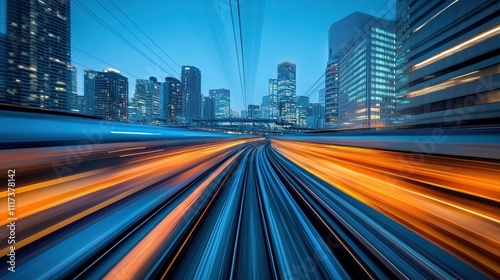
x: 199, y: 33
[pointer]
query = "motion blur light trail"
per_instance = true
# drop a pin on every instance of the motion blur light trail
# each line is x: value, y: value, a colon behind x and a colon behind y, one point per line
x: 222, y: 207
x: 47, y: 198
x: 453, y: 202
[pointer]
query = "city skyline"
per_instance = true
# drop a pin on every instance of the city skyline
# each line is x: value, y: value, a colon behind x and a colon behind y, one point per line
x: 187, y: 48
x: 369, y: 151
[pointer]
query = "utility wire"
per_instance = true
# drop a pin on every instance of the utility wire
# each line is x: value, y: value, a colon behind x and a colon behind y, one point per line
x: 314, y: 86
x: 144, y: 33
x: 135, y: 36
x: 98, y: 19
x: 86, y: 53
x: 237, y: 53
x: 242, y: 58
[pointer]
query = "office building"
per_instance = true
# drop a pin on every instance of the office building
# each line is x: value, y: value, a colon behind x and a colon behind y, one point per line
x: 448, y: 60
x: 73, y: 97
x: 244, y: 114
x: 253, y: 112
x: 234, y: 114
x: 222, y: 102
x: 172, y: 100
x: 191, y: 79
x: 39, y: 54
x: 332, y: 93
x: 111, y: 96
x: 208, y: 108
x: 360, y: 72
x: 137, y: 109
x: 316, y: 116
x: 81, y: 104
x: 286, y: 92
x: 147, y: 93
x: 302, y: 110
x: 3, y: 63
x: 272, y: 92
x: 89, y: 90
x: 265, y: 106
x: 153, y: 102
x: 321, y: 96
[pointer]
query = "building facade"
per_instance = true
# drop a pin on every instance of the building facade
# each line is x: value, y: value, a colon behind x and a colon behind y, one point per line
x: 208, y: 108
x: 266, y: 107
x: 191, y: 79
x: 153, y: 101
x: 447, y: 62
x: 302, y: 110
x: 111, y: 96
x: 73, y: 98
x: 321, y: 96
x: 222, y: 102
x: 172, y: 100
x: 316, y: 117
x: 39, y: 54
x: 89, y: 90
x: 286, y: 89
x: 272, y: 92
x: 362, y: 57
x: 147, y: 99
x: 253, y: 112
x: 3, y: 63
x: 332, y: 93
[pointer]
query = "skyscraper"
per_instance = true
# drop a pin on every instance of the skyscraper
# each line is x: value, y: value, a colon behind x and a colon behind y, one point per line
x: 286, y: 87
x: 39, y: 54
x: 208, y: 108
x: 152, y: 101
x: 3, y: 63
x: 302, y: 110
x: 111, y: 96
x: 222, y: 102
x: 172, y: 106
x: 147, y: 93
x: 138, y: 102
x: 361, y: 53
x: 272, y: 92
x: 321, y: 96
x: 89, y: 90
x: 447, y: 68
x: 73, y: 96
x: 253, y: 112
x: 315, y: 118
x: 191, y: 79
x: 265, y: 107
x: 81, y: 104
x: 332, y: 93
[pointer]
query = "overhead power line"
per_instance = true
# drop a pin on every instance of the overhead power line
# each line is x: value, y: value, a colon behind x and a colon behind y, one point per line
x: 135, y: 36
x: 111, y: 65
x: 103, y: 23
x: 144, y: 33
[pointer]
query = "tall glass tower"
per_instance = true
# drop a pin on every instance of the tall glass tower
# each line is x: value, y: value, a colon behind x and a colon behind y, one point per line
x: 111, y: 96
x: 172, y: 106
x: 272, y: 91
x: 286, y: 87
x: 3, y: 63
x: 191, y: 79
x: 39, y: 54
x: 222, y: 102
x: 360, y: 73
